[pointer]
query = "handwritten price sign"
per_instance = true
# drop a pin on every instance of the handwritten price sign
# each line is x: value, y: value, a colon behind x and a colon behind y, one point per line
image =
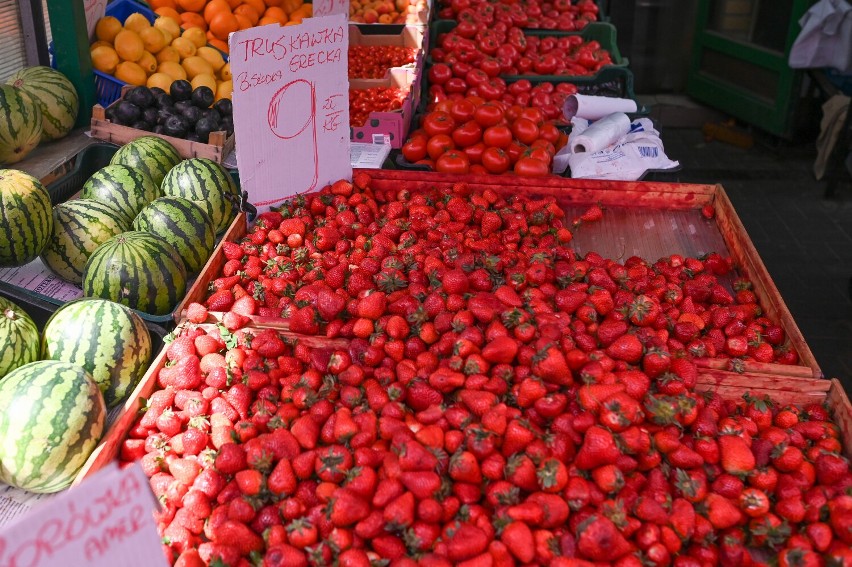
x: 291, y: 107
x: 105, y: 522
x: 330, y: 8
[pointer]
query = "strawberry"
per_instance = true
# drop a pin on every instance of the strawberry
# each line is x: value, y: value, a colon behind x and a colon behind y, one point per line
x: 239, y: 536
x: 423, y: 484
x: 627, y: 348
x: 550, y: 365
x: 465, y: 542
x: 721, y: 512
x: 518, y: 539
x: 232, y: 250
x: 346, y: 508
x: 598, y: 448
x: 220, y: 300
x: 305, y: 320
x: 599, y: 539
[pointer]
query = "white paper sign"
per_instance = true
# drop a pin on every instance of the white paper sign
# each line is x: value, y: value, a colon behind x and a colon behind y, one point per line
x: 291, y: 107
x: 369, y: 156
x: 104, y: 522
x: 38, y: 278
x: 330, y: 8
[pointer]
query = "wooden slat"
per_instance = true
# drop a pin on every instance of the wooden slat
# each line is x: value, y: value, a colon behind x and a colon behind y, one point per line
x: 838, y: 401
x: 217, y: 148
x: 711, y: 379
x: 211, y: 270
x: 751, y: 366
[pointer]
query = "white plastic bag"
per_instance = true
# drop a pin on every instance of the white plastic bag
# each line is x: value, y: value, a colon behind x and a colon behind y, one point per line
x: 826, y: 37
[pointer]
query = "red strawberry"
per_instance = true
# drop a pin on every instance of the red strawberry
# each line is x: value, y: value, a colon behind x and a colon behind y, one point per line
x: 721, y: 512
x: 346, y: 508
x: 518, y: 538
x: 305, y: 321
x: 627, y: 348
x: 232, y: 250
x: 736, y: 455
x: 599, y: 539
x: 465, y: 541
x: 550, y: 365
x: 221, y: 300
x: 598, y: 448
x: 239, y: 536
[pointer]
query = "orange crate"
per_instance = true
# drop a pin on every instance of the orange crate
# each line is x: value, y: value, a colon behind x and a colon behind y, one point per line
x: 645, y: 219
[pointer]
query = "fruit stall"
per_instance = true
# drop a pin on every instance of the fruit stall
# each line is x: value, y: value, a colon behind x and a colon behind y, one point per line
x: 457, y: 357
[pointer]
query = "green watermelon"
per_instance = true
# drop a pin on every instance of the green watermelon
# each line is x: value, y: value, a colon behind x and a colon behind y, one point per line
x: 139, y: 270
x: 207, y: 183
x: 183, y: 224
x: 25, y: 219
x: 53, y: 419
x: 55, y: 96
x: 151, y: 154
x: 79, y: 227
x: 126, y: 188
x: 19, y: 338
x: 20, y: 124
x: 110, y: 341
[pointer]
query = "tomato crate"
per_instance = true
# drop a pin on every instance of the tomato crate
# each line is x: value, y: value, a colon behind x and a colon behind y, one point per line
x: 122, y: 417
x: 217, y: 149
x: 396, y: 123
x: 407, y: 36
x: 646, y: 219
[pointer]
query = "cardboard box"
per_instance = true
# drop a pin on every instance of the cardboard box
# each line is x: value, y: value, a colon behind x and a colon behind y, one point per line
x: 408, y: 36
x: 397, y: 123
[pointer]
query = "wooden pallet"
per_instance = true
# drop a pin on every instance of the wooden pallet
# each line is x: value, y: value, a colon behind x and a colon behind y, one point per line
x: 217, y: 148
x: 109, y: 447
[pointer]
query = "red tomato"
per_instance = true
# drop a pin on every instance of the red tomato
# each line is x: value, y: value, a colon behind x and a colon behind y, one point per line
x: 525, y: 130
x: 544, y: 145
x: 467, y: 134
x: 515, y: 151
x: 455, y: 85
x: 496, y: 160
x: 443, y: 106
x: 462, y: 111
x: 439, y: 144
x: 452, y: 162
x: 531, y: 167
x: 533, y: 114
x: 499, y: 136
x: 474, y: 152
x: 477, y: 169
x: 488, y: 115
x: 439, y: 74
x: 414, y: 149
x: 438, y: 122
x: 522, y: 86
x: 541, y: 154
x: 549, y: 132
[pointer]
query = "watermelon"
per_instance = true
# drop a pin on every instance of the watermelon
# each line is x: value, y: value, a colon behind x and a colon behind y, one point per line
x: 126, y: 188
x: 207, y: 183
x: 151, y: 154
x: 137, y: 269
x: 20, y: 124
x: 110, y: 341
x: 19, y: 338
x: 26, y: 222
x: 55, y: 96
x: 54, y: 419
x: 183, y: 224
x: 79, y: 227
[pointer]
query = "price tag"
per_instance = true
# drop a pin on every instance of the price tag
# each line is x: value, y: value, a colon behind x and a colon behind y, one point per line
x: 105, y: 522
x: 369, y: 156
x: 330, y: 8
x: 291, y: 107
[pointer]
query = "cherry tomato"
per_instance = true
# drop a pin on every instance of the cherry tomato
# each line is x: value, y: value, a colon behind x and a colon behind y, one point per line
x: 499, y: 136
x: 452, y: 162
x: 496, y: 160
x: 438, y: 122
x: 530, y: 167
x: 439, y: 144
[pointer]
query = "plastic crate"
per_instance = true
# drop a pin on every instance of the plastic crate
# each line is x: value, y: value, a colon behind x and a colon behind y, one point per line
x: 121, y: 9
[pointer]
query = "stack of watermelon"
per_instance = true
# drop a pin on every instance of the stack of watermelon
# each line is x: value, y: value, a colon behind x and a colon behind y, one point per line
x: 93, y: 353
x: 37, y: 104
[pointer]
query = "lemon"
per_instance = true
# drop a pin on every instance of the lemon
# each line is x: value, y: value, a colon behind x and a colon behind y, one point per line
x: 153, y: 39
x: 136, y: 22
x: 160, y: 80
x: 168, y: 53
x: 184, y: 47
x: 196, y: 65
x: 172, y: 69
x: 196, y: 36
x: 129, y: 45
x: 204, y: 79
x: 212, y: 56
x: 107, y: 28
x: 131, y: 73
x: 105, y: 59
x: 148, y: 62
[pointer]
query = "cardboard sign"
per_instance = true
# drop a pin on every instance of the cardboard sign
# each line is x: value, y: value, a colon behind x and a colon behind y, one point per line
x: 291, y: 107
x: 104, y: 522
x: 95, y: 10
x: 330, y: 8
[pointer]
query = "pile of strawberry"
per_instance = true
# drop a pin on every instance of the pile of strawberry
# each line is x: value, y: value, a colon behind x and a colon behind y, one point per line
x: 481, y: 397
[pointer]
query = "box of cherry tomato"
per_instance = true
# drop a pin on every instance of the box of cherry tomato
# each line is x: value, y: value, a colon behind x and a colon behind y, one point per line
x: 372, y: 55
x: 384, y: 107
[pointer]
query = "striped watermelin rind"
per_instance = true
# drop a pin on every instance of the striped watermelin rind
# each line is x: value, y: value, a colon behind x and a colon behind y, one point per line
x: 126, y: 188
x: 55, y: 96
x: 20, y: 124
x: 79, y: 227
x: 19, y: 337
x: 151, y: 154
x: 26, y: 221
x: 207, y: 183
x: 53, y: 418
x: 110, y: 341
x: 137, y: 269
x: 182, y: 223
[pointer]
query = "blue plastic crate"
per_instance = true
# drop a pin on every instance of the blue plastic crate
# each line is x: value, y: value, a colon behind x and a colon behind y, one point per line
x: 121, y: 9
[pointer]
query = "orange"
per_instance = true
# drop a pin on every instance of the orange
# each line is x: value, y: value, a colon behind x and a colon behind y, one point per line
x: 234, y: 3
x: 305, y: 10
x: 258, y: 5
x: 222, y: 24
x: 276, y: 14
x: 243, y: 22
x: 291, y: 6
x: 293, y: 22
x: 192, y: 20
x: 215, y: 7
x: 192, y: 5
x: 267, y: 21
x: 167, y: 12
x: 218, y: 44
x: 157, y: 4
x: 273, y: 2
x: 248, y: 12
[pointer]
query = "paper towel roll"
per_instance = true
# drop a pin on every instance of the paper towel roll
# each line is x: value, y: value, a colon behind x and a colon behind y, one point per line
x: 595, y: 107
x: 601, y: 134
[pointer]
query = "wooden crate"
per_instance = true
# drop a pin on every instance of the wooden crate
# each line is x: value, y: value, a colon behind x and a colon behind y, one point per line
x: 109, y: 447
x: 217, y: 148
x: 646, y: 219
